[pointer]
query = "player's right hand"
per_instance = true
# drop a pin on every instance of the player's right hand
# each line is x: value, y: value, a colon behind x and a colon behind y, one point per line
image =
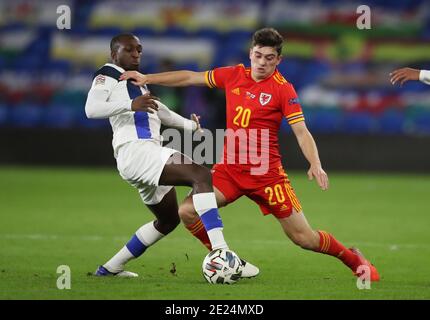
x: 196, y: 119
x: 404, y: 74
x: 138, y: 78
x: 145, y: 103
x: 320, y: 175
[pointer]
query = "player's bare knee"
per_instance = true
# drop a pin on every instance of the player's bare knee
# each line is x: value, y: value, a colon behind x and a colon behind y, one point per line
x: 202, y: 177
x: 203, y: 174
x: 187, y: 213
x: 166, y: 226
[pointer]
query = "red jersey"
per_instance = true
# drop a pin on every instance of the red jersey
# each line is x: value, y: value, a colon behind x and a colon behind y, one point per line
x: 254, y: 109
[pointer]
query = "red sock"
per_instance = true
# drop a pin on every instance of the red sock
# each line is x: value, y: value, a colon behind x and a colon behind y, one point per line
x: 329, y: 245
x: 198, y: 230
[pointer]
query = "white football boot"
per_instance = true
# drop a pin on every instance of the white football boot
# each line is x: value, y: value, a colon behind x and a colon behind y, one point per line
x: 103, y: 272
x: 249, y: 270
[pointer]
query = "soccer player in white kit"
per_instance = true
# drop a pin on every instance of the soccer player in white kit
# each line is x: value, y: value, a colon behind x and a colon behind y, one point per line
x: 135, y: 116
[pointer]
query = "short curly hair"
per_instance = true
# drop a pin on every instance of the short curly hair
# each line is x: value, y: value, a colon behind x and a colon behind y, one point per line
x: 268, y: 37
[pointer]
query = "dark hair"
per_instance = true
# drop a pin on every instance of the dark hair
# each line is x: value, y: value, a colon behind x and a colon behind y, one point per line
x: 114, y: 43
x: 268, y: 37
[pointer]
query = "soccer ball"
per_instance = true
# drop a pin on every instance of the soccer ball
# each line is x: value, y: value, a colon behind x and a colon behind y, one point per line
x: 222, y: 266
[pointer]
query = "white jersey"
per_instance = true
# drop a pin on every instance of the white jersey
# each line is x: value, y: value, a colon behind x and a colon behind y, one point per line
x: 424, y: 76
x: 111, y: 98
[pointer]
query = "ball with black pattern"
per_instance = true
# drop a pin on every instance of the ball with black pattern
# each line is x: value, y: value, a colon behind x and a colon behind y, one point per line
x: 222, y: 266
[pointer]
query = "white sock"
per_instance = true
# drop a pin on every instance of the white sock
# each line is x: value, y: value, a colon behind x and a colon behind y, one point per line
x: 216, y: 238
x: 117, y: 262
x: 144, y: 237
x: 206, y: 207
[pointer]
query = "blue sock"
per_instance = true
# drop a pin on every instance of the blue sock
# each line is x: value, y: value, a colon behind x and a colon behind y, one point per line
x: 144, y: 237
x: 206, y: 207
x: 135, y: 246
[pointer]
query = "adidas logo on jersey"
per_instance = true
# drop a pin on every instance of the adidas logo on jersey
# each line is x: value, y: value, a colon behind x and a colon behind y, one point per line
x: 236, y: 91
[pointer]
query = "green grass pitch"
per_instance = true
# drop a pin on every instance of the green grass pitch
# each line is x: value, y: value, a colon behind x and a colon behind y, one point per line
x: 80, y: 217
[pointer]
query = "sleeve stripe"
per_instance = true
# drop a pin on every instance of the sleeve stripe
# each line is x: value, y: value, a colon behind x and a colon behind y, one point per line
x: 207, y: 79
x: 296, y: 120
x: 212, y: 78
x: 210, y: 82
x: 292, y: 115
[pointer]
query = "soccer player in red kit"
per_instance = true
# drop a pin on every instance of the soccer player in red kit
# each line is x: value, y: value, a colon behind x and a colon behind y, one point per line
x: 257, y: 98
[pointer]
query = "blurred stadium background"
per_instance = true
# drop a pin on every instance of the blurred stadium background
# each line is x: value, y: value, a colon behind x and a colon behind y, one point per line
x: 340, y: 73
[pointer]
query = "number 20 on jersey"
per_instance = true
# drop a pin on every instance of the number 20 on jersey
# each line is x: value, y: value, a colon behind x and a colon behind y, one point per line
x: 242, y: 117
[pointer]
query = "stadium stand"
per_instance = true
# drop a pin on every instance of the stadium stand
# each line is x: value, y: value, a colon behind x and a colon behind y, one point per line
x: 340, y: 75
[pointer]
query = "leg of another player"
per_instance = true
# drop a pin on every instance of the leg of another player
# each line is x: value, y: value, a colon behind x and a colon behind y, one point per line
x: 297, y: 228
x: 299, y: 231
x: 194, y: 224
x: 166, y: 213
x: 192, y: 221
x: 181, y: 171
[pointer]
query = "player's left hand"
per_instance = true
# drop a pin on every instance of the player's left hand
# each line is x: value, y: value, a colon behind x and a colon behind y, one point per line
x: 320, y: 176
x: 196, y: 119
x: 404, y: 74
x: 138, y: 78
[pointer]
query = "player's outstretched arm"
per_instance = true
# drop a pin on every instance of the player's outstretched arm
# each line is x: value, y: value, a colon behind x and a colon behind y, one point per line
x: 408, y: 74
x: 180, y: 78
x: 172, y: 119
x: 309, y: 148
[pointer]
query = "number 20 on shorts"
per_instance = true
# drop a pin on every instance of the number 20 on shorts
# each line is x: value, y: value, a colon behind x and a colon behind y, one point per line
x: 276, y: 191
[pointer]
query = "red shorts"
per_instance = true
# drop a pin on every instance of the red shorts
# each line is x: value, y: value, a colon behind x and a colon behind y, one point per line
x: 272, y: 191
